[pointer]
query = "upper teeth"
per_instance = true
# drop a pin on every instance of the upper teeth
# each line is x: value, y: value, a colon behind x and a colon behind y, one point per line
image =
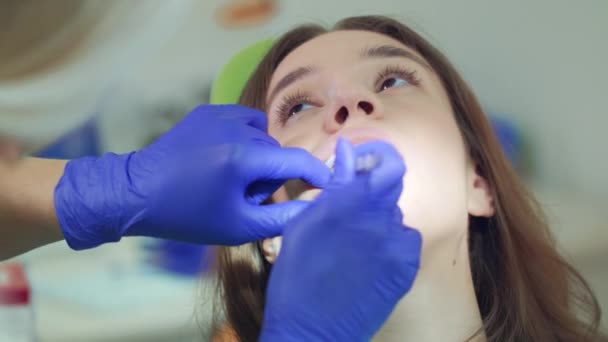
x: 366, y: 162
x: 330, y: 162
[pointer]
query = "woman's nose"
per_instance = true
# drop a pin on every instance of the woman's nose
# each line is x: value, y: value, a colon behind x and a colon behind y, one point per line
x: 349, y: 111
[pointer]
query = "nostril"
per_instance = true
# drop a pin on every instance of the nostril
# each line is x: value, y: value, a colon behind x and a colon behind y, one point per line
x: 367, y: 107
x: 342, y: 115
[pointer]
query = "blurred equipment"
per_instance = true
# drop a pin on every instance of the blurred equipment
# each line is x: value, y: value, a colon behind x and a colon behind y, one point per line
x: 16, y: 314
x: 177, y: 258
x: 80, y: 142
x: 509, y: 137
x: 58, y: 69
x: 246, y: 13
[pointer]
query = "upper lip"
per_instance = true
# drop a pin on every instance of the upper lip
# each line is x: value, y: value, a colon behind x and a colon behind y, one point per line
x: 355, y: 135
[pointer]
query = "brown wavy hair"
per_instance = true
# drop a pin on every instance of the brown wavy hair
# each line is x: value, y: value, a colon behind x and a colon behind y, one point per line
x: 526, y: 291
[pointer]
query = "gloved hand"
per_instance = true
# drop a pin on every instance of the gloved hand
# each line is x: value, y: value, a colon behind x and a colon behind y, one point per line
x: 347, y: 259
x: 201, y: 182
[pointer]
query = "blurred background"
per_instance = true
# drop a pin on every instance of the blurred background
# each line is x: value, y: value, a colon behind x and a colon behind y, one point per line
x: 115, y: 74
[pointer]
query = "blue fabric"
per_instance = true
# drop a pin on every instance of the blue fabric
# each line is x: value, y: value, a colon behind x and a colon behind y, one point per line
x: 509, y: 138
x: 179, y: 258
x: 80, y: 142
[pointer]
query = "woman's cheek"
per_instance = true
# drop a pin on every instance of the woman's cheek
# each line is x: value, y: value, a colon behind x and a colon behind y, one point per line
x: 434, y: 189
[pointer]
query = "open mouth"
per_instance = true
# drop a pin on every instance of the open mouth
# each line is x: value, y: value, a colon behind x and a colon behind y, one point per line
x: 298, y: 189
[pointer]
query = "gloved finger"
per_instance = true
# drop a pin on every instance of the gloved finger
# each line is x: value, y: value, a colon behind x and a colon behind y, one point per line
x: 258, y: 192
x: 344, y: 165
x: 270, y: 220
x: 272, y: 164
x: 386, y: 179
x: 250, y: 116
x: 397, y: 215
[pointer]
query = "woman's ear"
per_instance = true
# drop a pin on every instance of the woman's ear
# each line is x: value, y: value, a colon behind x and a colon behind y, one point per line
x: 479, y: 200
x: 271, y: 248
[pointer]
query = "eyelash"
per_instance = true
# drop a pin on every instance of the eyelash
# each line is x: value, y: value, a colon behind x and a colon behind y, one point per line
x: 399, y: 71
x: 288, y: 102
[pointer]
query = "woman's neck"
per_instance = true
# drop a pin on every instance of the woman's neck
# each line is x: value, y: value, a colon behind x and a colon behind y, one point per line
x: 441, y: 306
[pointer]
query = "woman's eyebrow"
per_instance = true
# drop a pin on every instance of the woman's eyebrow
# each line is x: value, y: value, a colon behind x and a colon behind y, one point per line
x: 288, y: 79
x: 389, y: 51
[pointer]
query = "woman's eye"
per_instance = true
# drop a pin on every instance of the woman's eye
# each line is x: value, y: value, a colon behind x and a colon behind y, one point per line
x: 393, y: 82
x: 299, y: 107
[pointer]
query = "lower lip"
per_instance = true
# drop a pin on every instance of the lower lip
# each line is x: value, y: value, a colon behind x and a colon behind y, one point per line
x: 363, y: 139
x: 355, y: 136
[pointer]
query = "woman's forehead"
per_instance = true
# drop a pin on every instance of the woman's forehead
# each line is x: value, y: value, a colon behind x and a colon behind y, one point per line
x: 333, y: 48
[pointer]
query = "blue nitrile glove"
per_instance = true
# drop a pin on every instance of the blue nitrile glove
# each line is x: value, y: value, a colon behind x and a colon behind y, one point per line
x: 347, y: 259
x: 201, y: 182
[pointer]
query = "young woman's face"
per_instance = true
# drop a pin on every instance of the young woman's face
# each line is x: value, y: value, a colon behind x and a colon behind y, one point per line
x: 366, y: 86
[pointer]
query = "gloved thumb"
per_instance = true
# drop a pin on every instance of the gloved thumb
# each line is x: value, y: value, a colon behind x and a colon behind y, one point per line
x: 344, y: 165
x: 383, y: 181
x: 386, y: 178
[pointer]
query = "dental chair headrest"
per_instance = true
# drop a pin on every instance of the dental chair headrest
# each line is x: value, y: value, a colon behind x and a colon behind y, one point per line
x: 231, y: 80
